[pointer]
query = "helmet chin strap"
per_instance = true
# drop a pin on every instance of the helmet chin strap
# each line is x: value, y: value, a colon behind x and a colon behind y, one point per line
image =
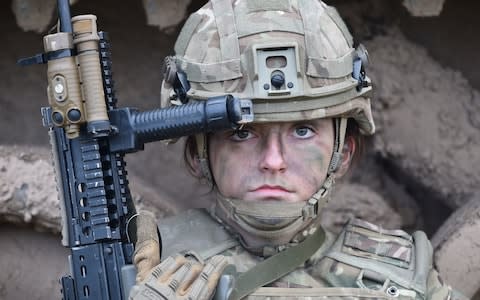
x: 320, y: 197
x: 337, y: 155
x: 202, y: 151
x: 267, y: 227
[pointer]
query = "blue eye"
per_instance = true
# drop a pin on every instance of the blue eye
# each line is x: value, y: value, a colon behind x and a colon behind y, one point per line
x: 303, y: 132
x: 241, y: 135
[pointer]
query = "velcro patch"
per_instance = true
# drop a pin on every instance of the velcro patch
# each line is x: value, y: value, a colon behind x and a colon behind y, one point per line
x: 266, y: 5
x: 370, y: 241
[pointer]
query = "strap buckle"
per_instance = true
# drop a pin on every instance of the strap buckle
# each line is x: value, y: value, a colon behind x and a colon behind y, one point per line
x: 310, y: 210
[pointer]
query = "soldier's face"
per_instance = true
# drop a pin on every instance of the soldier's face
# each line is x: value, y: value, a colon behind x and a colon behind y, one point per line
x: 285, y: 161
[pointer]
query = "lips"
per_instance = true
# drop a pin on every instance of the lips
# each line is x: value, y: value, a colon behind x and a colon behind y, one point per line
x: 273, y: 188
x: 271, y: 192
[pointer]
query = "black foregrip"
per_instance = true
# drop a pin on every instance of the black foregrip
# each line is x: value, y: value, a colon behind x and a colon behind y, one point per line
x: 135, y: 128
x: 183, y: 120
x: 90, y: 168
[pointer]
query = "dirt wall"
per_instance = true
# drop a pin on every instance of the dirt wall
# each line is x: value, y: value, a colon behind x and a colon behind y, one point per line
x: 417, y: 170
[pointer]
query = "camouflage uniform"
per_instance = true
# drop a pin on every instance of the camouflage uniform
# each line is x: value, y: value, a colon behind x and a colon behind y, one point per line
x: 363, y: 261
x: 295, y: 60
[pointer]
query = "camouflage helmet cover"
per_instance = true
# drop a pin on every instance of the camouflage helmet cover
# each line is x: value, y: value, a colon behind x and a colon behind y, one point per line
x: 236, y: 47
x: 295, y: 60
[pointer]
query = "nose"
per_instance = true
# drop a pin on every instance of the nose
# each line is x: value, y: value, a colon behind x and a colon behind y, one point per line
x: 273, y: 156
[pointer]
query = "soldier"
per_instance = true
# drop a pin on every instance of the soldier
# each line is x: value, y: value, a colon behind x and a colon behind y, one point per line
x: 262, y: 238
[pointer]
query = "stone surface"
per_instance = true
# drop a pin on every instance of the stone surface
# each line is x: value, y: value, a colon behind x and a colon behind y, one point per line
x: 27, y: 188
x: 371, y: 173
x: 32, y: 264
x: 36, y: 16
x: 28, y: 192
x: 32, y: 15
x: 165, y: 14
x: 428, y: 131
x: 355, y: 200
x: 457, y: 247
x: 424, y: 8
x: 404, y: 70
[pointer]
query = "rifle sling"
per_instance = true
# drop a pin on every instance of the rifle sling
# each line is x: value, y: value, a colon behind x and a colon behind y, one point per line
x: 276, y: 266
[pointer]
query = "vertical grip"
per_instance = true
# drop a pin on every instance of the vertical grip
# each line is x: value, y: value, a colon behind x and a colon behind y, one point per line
x: 133, y: 128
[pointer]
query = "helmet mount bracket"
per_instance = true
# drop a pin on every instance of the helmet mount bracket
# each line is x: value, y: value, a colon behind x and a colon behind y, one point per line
x: 276, y: 70
x: 177, y: 79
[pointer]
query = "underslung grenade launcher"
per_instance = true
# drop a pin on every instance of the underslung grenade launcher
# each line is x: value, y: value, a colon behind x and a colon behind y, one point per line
x: 90, y: 136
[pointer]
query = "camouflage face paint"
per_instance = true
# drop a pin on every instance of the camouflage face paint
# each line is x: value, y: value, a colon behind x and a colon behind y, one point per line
x: 285, y: 161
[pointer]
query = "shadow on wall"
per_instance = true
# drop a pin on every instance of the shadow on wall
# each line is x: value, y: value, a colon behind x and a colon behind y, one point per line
x: 31, y: 264
x: 138, y: 52
x: 451, y: 38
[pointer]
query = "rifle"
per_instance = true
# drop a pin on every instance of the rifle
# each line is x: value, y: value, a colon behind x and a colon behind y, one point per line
x: 90, y: 137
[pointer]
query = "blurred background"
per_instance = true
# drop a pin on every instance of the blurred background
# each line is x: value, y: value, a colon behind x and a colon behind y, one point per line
x: 419, y: 172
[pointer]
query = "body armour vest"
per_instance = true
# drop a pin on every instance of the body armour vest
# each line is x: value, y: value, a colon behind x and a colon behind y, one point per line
x: 364, y: 261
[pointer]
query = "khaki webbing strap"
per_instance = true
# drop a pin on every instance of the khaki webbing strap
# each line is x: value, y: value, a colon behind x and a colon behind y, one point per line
x: 201, y: 141
x: 264, y: 209
x: 186, y: 33
x: 340, y: 130
x: 330, y: 68
x: 315, y: 23
x: 333, y: 13
x: 261, y: 209
x: 275, y: 16
x: 335, y: 162
x: 225, y: 20
x: 377, y: 248
x: 225, y: 67
x: 224, y: 70
x: 325, y: 293
x: 276, y: 266
x: 343, y: 130
x: 376, y: 228
x: 248, y: 25
x: 266, y: 5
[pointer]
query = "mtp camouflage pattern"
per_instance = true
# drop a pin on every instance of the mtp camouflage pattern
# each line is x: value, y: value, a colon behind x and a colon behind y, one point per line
x: 376, y: 263
x: 295, y: 60
x: 224, y: 49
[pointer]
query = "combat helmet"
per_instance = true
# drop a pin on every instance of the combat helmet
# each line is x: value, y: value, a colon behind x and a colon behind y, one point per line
x: 295, y: 60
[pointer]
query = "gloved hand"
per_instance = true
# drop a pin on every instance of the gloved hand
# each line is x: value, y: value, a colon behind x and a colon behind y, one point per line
x: 147, y: 247
x: 183, y: 276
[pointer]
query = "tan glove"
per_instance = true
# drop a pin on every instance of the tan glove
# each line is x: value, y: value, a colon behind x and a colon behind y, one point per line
x: 184, y: 276
x: 181, y: 277
x: 147, y: 247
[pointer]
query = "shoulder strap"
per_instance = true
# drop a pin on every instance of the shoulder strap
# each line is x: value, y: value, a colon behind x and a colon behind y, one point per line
x: 276, y: 266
